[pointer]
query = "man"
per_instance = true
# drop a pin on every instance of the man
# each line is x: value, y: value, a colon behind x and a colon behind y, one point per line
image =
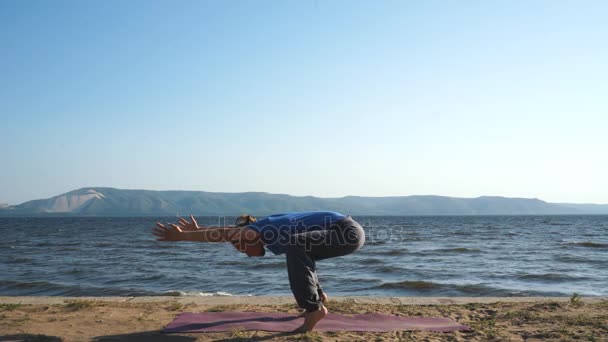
x: 304, y: 237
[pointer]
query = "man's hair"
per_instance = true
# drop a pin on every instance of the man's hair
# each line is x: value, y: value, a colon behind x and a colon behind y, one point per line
x: 244, y: 220
x: 241, y: 222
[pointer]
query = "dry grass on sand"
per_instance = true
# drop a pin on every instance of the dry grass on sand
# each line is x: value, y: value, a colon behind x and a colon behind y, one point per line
x: 83, y: 320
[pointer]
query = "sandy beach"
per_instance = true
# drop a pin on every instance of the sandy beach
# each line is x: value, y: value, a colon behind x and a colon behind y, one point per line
x: 141, y: 318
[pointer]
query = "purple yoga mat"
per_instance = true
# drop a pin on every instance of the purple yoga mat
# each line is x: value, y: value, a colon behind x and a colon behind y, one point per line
x: 284, y: 322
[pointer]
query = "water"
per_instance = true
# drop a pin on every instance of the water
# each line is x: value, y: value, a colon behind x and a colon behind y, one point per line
x: 403, y: 256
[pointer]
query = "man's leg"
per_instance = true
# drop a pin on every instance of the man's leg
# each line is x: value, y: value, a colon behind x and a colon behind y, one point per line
x: 304, y: 249
x: 322, y: 295
x: 320, y: 292
x: 303, y: 278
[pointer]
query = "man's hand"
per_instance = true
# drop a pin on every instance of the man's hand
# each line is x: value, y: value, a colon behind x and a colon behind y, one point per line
x: 188, y: 226
x: 164, y: 233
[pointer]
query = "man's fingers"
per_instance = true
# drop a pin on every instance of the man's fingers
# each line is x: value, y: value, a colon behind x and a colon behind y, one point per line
x: 193, y: 220
x: 183, y: 221
x: 158, y: 233
x: 166, y: 232
x: 161, y: 226
x: 176, y: 227
x: 160, y: 230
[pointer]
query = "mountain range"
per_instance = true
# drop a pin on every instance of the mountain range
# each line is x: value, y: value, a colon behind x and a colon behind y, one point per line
x: 103, y: 201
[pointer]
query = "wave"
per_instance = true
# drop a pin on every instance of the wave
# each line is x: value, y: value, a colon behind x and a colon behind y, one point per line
x: 165, y: 253
x: 550, y: 277
x: 245, y: 263
x: 24, y: 288
x: 442, y: 251
x: 461, y: 232
x: 150, y: 277
x: 105, y: 244
x: 419, y: 287
x: 588, y: 244
x: 456, y: 250
x: 73, y: 271
x: 390, y: 252
x: 556, y: 223
x: 231, y: 263
x: 395, y: 252
x: 56, y: 244
x: 576, y: 259
x: 370, y: 261
x: 177, y: 293
x: 375, y: 242
x: 13, y: 259
x: 38, y: 288
x: 271, y: 265
x: 410, y: 284
x: 389, y: 269
x: 44, y: 244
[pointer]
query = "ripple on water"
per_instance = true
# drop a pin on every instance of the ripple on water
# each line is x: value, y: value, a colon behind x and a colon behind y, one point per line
x: 389, y: 269
x: 588, y: 244
x: 371, y: 261
x: 419, y: 287
x: 576, y: 259
x: 456, y: 250
x: 550, y: 277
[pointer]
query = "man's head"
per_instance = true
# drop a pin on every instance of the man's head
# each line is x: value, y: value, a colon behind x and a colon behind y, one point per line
x: 244, y: 220
x: 248, y: 241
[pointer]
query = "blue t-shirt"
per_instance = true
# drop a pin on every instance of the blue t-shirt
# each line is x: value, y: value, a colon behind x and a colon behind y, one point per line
x: 276, y: 229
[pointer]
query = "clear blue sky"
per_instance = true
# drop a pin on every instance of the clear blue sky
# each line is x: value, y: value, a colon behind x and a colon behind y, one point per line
x: 324, y: 98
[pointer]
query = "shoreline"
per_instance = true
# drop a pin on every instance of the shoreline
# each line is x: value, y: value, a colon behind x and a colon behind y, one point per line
x: 283, y: 300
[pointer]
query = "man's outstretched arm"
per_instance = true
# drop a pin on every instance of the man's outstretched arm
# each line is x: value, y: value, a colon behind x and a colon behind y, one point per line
x: 212, y: 234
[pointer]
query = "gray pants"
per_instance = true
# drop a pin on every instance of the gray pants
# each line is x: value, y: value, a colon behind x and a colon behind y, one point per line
x: 341, y: 238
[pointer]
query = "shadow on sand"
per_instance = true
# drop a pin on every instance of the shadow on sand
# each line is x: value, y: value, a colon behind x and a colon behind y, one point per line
x: 157, y: 336
x: 142, y: 336
x: 30, y: 338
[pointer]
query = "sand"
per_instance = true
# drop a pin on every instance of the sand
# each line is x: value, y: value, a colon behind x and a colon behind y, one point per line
x: 141, y: 318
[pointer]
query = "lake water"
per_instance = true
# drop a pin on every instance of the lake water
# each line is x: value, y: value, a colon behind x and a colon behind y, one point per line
x: 403, y: 256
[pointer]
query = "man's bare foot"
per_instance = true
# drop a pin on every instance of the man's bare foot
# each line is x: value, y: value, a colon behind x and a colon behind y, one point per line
x: 323, y: 300
x: 311, y: 319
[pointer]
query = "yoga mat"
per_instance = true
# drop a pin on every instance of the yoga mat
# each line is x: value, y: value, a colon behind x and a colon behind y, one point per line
x: 285, y: 322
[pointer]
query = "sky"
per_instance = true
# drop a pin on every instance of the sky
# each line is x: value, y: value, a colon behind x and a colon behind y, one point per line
x: 323, y: 98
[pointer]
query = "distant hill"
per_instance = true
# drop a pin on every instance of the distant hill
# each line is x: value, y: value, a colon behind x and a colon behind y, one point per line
x: 600, y: 209
x: 118, y: 202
